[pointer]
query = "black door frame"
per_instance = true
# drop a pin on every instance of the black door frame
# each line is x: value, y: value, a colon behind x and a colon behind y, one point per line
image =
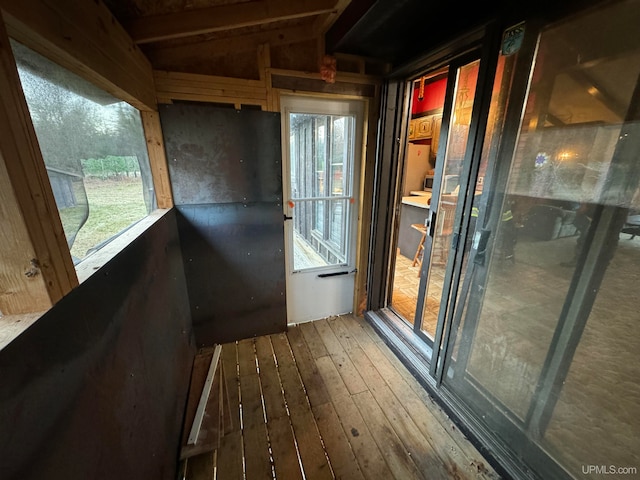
x: 499, y: 451
x: 393, y: 130
x: 478, y: 45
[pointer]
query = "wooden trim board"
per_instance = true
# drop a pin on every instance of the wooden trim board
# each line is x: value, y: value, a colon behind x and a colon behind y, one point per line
x: 157, y: 159
x: 36, y: 269
x: 197, y: 421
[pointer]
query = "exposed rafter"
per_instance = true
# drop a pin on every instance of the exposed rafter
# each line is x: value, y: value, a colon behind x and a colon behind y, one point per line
x: 228, y: 45
x: 323, y: 23
x: 599, y: 92
x: 225, y: 17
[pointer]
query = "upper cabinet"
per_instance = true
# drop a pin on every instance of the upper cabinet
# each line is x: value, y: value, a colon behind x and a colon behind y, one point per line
x: 425, y: 127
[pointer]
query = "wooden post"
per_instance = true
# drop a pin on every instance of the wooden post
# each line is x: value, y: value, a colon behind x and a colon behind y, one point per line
x: 264, y: 68
x: 157, y: 158
x: 36, y: 269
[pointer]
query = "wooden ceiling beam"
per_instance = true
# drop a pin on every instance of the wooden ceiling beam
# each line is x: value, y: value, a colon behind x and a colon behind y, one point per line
x: 165, y: 58
x: 324, y: 22
x: 224, y: 17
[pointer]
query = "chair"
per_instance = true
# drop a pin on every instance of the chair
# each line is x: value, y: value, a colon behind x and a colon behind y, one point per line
x: 417, y: 258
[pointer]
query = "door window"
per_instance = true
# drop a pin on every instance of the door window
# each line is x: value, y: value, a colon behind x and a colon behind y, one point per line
x: 322, y: 153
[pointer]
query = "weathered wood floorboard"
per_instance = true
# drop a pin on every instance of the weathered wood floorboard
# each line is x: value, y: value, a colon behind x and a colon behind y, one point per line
x: 329, y: 399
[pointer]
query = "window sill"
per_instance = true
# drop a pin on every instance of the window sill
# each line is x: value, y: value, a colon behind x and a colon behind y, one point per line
x: 92, y: 263
x: 11, y: 326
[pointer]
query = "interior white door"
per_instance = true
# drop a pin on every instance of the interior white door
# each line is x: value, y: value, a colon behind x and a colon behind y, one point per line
x: 322, y: 145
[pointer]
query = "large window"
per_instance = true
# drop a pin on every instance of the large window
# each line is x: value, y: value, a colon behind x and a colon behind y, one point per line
x: 94, y: 152
x: 547, y: 351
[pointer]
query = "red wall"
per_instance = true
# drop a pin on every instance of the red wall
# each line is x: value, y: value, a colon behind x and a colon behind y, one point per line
x: 433, y: 97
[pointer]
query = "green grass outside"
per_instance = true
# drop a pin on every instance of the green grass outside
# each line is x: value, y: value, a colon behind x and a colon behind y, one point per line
x: 113, y: 206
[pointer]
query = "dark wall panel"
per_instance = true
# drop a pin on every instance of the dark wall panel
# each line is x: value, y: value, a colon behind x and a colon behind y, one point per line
x: 96, y: 388
x: 222, y: 155
x: 234, y: 262
x: 226, y: 174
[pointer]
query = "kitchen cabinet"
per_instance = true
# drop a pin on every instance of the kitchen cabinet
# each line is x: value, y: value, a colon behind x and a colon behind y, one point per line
x: 425, y: 127
x: 435, y: 138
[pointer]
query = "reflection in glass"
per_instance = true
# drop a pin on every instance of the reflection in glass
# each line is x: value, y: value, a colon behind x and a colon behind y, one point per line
x: 549, y: 337
x: 596, y: 416
x: 501, y: 88
x: 94, y: 151
x: 321, y: 150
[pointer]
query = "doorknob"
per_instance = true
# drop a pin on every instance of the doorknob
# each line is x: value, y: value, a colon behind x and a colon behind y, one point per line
x: 286, y: 217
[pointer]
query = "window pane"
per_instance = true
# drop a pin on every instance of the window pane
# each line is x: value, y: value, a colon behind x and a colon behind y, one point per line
x: 321, y: 155
x: 321, y: 162
x: 464, y: 97
x: 550, y: 336
x: 94, y: 152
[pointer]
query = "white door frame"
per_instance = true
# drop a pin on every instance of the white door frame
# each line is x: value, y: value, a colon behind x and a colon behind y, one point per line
x: 307, y: 294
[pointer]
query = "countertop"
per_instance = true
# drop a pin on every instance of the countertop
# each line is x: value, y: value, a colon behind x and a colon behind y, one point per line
x: 421, y: 201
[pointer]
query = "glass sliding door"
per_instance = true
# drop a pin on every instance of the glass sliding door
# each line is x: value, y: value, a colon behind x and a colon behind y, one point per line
x: 442, y: 104
x: 416, y: 188
x: 544, y: 340
x: 443, y: 221
x: 476, y: 232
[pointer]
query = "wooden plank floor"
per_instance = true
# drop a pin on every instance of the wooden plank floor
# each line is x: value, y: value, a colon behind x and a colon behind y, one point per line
x: 326, y: 400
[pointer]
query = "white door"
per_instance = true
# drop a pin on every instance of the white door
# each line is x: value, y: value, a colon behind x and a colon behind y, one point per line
x: 322, y: 145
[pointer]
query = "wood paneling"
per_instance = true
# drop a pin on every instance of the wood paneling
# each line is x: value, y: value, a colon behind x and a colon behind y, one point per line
x: 169, y: 56
x: 341, y: 77
x: 172, y: 86
x: 298, y: 57
x: 307, y: 84
x: 209, y: 88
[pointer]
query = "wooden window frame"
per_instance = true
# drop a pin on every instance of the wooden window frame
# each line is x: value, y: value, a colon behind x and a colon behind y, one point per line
x: 36, y: 269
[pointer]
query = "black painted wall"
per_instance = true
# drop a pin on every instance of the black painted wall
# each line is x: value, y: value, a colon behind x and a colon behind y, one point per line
x: 226, y: 175
x: 96, y: 388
